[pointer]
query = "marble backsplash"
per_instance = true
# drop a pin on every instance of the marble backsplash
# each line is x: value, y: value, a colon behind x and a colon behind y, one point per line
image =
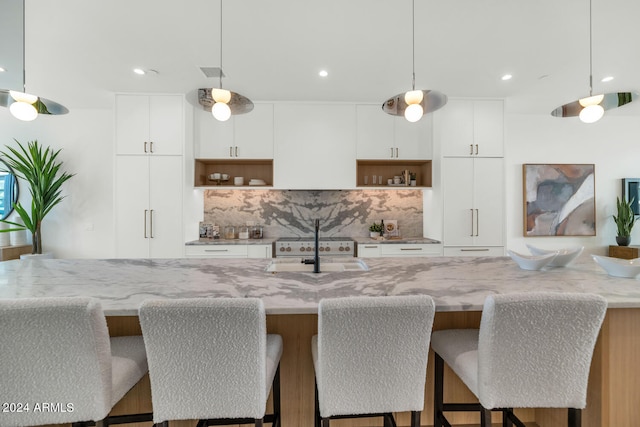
x: 291, y: 213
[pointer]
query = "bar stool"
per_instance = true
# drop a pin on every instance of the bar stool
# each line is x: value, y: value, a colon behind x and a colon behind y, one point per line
x: 58, y: 364
x: 532, y: 351
x: 211, y: 359
x: 370, y: 357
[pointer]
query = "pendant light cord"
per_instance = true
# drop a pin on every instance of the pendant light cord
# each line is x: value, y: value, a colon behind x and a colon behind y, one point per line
x: 413, y: 44
x: 590, y: 52
x: 24, y: 67
x: 220, y: 44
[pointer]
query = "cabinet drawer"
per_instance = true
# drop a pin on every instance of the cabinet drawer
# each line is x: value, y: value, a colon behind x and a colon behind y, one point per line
x: 474, y: 251
x: 259, y: 251
x: 368, y: 251
x: 216, y: 251
x: 414, y: 250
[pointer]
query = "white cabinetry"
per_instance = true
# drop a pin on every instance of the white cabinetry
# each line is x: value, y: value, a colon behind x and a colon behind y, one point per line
x: 149, y: 124
x: 473, y: 198
x: 228, y: 251
x: 315, y: 146
x: 381, y: 136
x: 471, y: 128
x: 149, y: 207
x: 377, y: 250
x: 245, y: 136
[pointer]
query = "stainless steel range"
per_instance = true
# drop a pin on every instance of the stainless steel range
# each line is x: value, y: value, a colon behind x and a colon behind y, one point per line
x: 305, y: 247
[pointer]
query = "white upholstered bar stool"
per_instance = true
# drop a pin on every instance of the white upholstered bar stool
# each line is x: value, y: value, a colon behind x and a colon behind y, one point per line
x: 370, y: 357
x: 211, y: 359
x: 532, y: 351
x: 56, y: 357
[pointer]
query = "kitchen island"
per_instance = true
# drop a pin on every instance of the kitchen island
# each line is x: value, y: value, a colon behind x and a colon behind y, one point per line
x: 458, y: 286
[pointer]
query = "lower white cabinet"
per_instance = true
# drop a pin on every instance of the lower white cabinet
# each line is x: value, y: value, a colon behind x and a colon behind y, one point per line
x: 148, y: 207
x: 228, y: 251
x: 381, y: 250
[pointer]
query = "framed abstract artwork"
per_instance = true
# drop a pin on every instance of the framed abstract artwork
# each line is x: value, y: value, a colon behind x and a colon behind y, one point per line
x: 559, y: 199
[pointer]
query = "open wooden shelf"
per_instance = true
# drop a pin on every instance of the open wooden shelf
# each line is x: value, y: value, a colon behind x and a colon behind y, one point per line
x: 246, y: 168
x: 390, y: 168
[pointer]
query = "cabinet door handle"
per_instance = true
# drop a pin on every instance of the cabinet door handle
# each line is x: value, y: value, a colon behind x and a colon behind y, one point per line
x: 230, y: 151
x: 471, y: 149
x: 392, y: 152
x: 151, y: 146
x: 145, y: 146
x: 471, y: 210
x: 370, y: 247
x: 396, y: 152
x: 145, y: 224
x: 216, y: 250
x: 475, y: 250
x: 476, y: 149
x: 151, y: 223
x: 477, y: 222
x: 410, y: 249
x: 236, y: 151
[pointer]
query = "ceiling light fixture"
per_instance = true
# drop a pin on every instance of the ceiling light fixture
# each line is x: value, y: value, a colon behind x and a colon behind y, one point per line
x: 590, y: 109
x: 414, y: 104
x: 221, y: 102
x: 139, y: 71
x: 507, y: 77
x: 24, y: 106
x: 606, y: 79
x: 2, y: 70
x: 323, y: 73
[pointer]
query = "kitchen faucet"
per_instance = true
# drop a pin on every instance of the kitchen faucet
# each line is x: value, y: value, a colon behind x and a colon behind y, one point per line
x: 316, y: 256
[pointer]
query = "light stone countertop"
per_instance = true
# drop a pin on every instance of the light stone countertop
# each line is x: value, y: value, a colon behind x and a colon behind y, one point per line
x: 455, y: 283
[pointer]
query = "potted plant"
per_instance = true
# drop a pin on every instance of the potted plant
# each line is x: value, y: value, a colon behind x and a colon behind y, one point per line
x: 42, y: 172
x: 374, y: 230
x: 624, y: 221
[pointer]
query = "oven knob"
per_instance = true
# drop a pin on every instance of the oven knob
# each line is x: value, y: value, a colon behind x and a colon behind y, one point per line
x: 327, y: 249
x: 281, y: 248
x: 348, y: 248
x: 308, y: 248
x: 321, y: 249
x: 288, y: 248
x: 341, y: 249
x: 301, y: 249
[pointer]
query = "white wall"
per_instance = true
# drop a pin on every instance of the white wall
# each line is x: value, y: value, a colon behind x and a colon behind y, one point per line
x: 612, y: 144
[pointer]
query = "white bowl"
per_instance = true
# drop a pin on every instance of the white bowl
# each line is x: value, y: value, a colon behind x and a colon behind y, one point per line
x: 532, y: 262
x: 564, y: 256
x: 618, y: 267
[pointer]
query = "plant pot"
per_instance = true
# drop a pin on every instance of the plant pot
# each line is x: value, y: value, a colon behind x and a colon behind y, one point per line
x: 623, y: 240
x: 374, y: 234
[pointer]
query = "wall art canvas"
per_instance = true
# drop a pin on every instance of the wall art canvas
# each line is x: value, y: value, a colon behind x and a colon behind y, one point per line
x: 559, y: 199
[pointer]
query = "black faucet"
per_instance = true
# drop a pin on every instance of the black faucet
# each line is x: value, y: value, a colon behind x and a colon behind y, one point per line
x: 316, y: 256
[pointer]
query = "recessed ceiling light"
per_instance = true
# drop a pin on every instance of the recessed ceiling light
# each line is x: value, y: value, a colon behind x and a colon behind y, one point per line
x: 607, y: 79
x: 323, y: 73
x: 139, y: 71
x: 2, y: 70
x: 507, y: 77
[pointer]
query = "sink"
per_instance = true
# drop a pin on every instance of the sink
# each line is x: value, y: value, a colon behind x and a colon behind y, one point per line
x: 326, y: 266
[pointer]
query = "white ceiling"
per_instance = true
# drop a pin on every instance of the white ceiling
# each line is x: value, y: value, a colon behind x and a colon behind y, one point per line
x: 78, y: 52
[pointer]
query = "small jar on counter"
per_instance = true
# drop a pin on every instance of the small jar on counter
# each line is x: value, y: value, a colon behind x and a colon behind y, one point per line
x: 243, y: 232
x: 229, y: 232
x: 256, y: 232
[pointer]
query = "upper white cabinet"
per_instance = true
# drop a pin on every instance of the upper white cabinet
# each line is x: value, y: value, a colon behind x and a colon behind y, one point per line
x: 245, y: 136
x: 315, y: 146
x: 381, y: 136
x: 471, y: 128
x: 149, y: 124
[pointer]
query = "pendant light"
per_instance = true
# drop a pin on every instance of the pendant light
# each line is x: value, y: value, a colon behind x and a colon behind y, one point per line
x: 590, y: 109
x: 221, y: 102
x: 414, y: 103
x: 25, y: 106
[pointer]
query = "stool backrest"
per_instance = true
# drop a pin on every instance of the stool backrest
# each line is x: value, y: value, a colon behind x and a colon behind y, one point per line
x: 55, y: 356
x: 372, y: 353
x: 206, y: 357
x: 535, y: 349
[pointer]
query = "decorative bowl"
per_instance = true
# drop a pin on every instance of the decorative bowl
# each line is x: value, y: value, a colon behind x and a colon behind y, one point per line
x: 532, y: 262
x: 564, y: 256
x: 617, y: 267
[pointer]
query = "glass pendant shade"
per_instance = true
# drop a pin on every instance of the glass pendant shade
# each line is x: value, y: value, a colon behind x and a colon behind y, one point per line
x: 591, y: 113
x: 221, y: 111
x: 23, y: 111
x: 413, y: 97
x: 413, y: 113
x: 221, y: 95
x: 591, y: 100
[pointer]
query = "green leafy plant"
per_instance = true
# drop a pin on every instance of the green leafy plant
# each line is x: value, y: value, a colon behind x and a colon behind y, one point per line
x: 375, y: 227
x: 625, y: 218
x: 42, y: 172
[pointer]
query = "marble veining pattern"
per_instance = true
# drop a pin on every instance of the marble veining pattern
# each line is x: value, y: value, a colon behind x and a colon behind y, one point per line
x: 456, y: 284
x: 291, y: 213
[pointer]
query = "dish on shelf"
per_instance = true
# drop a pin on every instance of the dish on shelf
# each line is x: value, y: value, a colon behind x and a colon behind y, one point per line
x: 618, y: 267
x: 564, y: 256
x: 532, y: 262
